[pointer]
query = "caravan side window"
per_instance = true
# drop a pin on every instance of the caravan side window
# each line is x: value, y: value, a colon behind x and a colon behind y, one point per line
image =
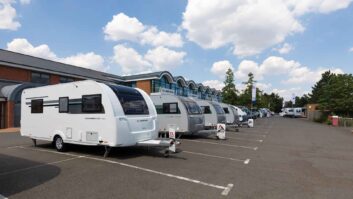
x: 206, y: 110
x: 63, y: 105
x: 171, y: 108
x: 37, y: 106
x: 92, y: 104
x: 226, y: 110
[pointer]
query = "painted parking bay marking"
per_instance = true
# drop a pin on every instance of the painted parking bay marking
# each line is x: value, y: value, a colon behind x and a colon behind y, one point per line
x: 225, y: 189
x: 249, y: 134
x: 230, y: 145
x: 235, y: 138
x: 38, y: 166
x: 246, y: 161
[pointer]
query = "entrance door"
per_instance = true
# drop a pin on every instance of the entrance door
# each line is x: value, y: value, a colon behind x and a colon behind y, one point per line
x: 2, y: 115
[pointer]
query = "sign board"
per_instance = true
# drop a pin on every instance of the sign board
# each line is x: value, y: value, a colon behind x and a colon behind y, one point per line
x: 193, y: 95
x: 253, y: 94
x: 293, y: 98
x: 171, y: 133
x: 166, y: 91
x: 251, y: 123
x: 221, y: 131
x: 172, y: 136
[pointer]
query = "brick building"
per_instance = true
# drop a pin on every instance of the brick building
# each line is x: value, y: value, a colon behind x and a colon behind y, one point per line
x: 19, y: 71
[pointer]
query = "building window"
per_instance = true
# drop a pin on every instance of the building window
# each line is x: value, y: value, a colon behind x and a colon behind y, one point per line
x: 66, y: 79
x: 37, y: 106
x: 63, y: 105
x: 160, y: 83
x: 206, y: 110
x: 92, y: 104
x: 40, y: 78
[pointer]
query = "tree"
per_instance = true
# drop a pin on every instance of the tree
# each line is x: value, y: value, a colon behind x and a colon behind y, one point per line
x: 229, y: 92
x: 318, y: 88
x: 272, y: 101
x: 245, y: 97
x: 337, y: 95
x: 301, y: 101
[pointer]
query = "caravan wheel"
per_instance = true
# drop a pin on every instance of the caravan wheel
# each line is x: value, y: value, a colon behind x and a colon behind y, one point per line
x: 59, y: 144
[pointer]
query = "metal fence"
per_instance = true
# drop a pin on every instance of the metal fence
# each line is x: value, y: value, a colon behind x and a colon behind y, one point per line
x: 345, y: 122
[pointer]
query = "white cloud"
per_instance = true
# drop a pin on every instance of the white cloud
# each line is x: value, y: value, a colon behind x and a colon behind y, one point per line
x: 305, y: 75
x: 87, y: 60
x: 157, y: 59
x: 301, y: 7
x: 130, y: 60
x: 8, y: 16
x: 214, y: 84
x: 288, y: 93
x: 245, y: 67
x: 249, y: 26
x: 123, y: 27
x: 155, y: 37
x: 285, y: 49
x: 264, y: 86
x: 25, y: 2
x: 351, y: 49
x: 21, y: 45
x: 163, y: 58
x: 290, y: 71
x: 220, y: 68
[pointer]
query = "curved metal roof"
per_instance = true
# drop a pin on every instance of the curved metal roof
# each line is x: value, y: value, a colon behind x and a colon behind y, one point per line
x: 181, y: 79
x: 192, y: 84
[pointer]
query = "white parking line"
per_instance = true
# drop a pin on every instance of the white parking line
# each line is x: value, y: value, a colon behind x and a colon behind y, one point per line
x: 249, y: 134
x: 226, y: 189
x: 230, y: 145
x: 216, y: 156
x: 235, y: 138
x: 38, y: 166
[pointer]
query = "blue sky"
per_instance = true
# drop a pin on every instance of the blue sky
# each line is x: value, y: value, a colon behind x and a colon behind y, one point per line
x: 287, y: 44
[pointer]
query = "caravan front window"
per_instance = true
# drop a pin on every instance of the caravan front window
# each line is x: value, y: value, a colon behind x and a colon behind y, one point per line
x: 206, y: 110
x: 192, y: 107
x: 226, y: 110
x: 131, y: 100
x: 218, y: 108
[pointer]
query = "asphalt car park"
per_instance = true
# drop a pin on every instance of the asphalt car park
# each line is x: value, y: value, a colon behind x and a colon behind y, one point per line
x: 278, y: 158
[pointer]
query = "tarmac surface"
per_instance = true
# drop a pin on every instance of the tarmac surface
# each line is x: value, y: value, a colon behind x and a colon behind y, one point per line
x: 278, y: 158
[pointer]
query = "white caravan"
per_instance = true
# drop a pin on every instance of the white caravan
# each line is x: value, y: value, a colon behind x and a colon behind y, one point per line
x: 288, y: 112
x: 90, y: 113
x: 231, y: 113
x: 214, y: 114
x: 297, y: 112
x: 179, y: 113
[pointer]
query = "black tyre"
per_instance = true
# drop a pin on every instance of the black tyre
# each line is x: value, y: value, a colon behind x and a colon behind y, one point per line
x: 59, y: 144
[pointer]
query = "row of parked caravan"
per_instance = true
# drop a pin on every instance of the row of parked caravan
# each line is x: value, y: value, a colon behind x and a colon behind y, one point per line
x: 189, y: 115
x: 92, y: 113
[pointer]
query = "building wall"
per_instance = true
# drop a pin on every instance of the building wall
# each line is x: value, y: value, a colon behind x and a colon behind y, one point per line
x: 54, y: 79
x: 15, y: 74
x: 144, y: 85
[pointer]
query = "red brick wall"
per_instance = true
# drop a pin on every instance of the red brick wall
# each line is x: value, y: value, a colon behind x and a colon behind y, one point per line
x: 144, y: 85
x: 54, y: 79
x: 9, y: 119
x: 16, y: 74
